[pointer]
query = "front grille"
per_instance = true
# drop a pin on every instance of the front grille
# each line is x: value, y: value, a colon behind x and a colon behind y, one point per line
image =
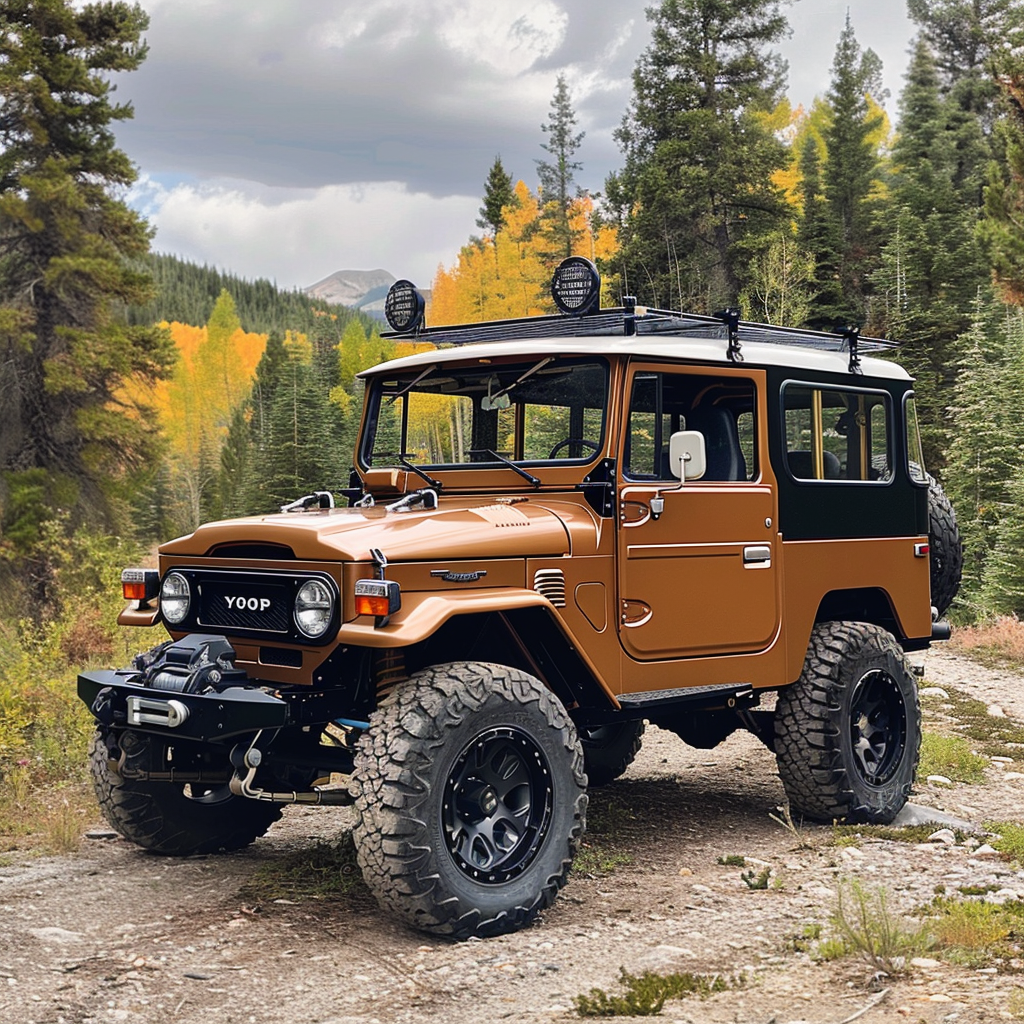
x: 229, y: 604
x: 253, y: 604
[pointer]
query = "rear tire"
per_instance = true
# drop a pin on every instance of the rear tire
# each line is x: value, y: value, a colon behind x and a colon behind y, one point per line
x: 470, y: 799
x: 946, y: 557
x: 848, y: 731
x: 608, y: 750
x: 166, y: 817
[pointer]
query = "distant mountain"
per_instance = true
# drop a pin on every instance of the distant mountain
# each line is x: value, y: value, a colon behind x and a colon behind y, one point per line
x: 364, y: 290
x: 351, y: 287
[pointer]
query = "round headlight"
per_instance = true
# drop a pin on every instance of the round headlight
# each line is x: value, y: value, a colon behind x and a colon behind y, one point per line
x: 175, y: 597
x: 314, y: 605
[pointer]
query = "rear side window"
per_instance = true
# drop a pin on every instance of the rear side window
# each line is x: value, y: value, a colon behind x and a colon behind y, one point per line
x: 915, y: 455
x: 837, y: 434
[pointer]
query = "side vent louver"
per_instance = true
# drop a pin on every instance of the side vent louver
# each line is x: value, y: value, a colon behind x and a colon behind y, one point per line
x: 550, y: 583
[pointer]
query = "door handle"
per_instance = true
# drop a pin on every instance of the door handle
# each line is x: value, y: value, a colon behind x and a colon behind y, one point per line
x: 756, y: 555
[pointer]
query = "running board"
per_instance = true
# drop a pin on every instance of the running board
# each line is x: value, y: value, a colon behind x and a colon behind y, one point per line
x: 731, y: 695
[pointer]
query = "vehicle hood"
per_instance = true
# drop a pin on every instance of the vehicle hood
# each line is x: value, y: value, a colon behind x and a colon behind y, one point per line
x: 348, y: 534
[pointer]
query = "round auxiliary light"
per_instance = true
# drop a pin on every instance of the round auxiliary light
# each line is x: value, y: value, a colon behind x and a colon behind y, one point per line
x: 314, y: 606
x: 403, y: 308
x: 175, y: 597
x: 576, y: 286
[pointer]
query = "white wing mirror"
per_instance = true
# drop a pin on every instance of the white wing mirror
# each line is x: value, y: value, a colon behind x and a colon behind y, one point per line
x: 686, y: 454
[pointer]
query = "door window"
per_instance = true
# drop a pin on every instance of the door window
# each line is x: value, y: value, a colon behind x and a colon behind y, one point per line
x: 721, y: 408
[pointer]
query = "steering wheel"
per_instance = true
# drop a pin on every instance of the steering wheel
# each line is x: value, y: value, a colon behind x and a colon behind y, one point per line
x: 592, y: 445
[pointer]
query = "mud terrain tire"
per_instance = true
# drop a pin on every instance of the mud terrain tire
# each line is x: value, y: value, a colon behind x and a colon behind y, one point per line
x: 161, y: 816
x: 608, y: 750
x: 470, y: 799
x: 848, y: 732
x: 946, y: 555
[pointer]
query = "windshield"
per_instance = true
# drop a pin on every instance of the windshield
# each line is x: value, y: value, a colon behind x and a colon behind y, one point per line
x: 535, y: 411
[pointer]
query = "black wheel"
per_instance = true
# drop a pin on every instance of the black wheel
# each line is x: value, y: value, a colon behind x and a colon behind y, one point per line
x: 470, y: 799
x: 592, y: 445
x: 946, y: 557
x: 166, y: 817
x: 848, y: 732
x: 608, y: 750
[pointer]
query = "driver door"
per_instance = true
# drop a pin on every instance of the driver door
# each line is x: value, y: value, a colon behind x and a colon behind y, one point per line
x: 701, y: 577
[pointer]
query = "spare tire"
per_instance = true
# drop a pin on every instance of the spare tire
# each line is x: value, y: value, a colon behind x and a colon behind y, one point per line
x: 946, y: 555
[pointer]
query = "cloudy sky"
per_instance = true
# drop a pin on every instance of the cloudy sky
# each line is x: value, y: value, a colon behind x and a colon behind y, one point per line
x: 288, y: 139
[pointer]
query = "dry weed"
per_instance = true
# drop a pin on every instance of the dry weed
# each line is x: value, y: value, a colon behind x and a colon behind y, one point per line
x: 999, y: 641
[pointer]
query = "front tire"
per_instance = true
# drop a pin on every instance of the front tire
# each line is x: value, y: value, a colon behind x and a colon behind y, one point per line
x: 470, y: 799
x: 848, y: 731
x: 166, y: 817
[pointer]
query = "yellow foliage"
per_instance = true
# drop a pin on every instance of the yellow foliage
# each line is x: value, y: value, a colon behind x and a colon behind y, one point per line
x: 206, y: 385
x: 506, y: 276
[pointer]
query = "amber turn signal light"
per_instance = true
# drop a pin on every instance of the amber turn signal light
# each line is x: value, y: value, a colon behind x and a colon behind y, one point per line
x: 378, y: 598
x: 140, y: 584
x: 368, y: 605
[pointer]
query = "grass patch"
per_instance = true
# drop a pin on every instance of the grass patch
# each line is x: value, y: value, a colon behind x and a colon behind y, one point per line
x: 758, y: 880
x: 50, y: 819
x: 323, y: 871
x: 991, y: 735
x: 644, y: 995
x: 862, y: 925
x: 850, y: 835
x: 1009, y: 839
x: 595, y: 859
x: 998, y: 643
x: 952, y: 757
x: 610, y: 823
x: 804, y: 940
x: 974, y: 933
x: 733, y: 860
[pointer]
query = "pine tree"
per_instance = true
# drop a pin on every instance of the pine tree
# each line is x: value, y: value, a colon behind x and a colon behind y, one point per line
x: 1002, y: 588
x: 931, y: 267
x: 70, y: 253
x: 819, y: 236
x: 497, y: 195
x: 305, y: 450
x: 557, y: 178
x: 965, y: 36
x: 1003, y: 227
x: 849, y: 173
x: 987, y: 440
x: 695, y: 201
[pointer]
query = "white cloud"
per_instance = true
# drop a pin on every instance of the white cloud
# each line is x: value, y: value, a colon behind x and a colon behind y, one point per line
x: 302, y: 235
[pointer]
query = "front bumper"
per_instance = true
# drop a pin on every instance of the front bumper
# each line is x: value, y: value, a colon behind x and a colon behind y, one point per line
x: 116, y: 699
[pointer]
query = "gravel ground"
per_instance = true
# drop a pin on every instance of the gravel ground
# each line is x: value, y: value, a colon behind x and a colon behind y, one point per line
x: 115, y: 935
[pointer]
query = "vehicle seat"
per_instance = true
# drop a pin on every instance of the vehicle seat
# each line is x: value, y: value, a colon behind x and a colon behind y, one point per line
x: 725, y: 459
x: 801, y: 465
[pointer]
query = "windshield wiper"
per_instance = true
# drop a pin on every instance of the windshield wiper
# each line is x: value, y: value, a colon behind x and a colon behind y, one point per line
x: 519, y: 380
x: 403, y: 458
x: 508, y: 462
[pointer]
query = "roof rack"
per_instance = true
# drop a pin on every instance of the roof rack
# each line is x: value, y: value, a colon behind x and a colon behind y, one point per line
x: 627, y: 320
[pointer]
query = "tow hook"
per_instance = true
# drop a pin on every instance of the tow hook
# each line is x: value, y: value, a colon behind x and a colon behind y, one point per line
x: 249, y: 761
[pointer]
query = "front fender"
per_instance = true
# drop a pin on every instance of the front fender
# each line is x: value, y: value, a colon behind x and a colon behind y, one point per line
x: 423, y: 614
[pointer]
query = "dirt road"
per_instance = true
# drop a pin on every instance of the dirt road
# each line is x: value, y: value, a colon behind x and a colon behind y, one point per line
x: 115, y: 935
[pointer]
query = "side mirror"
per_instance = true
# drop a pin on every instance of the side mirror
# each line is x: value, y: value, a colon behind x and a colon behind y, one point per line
x: 686, y: 453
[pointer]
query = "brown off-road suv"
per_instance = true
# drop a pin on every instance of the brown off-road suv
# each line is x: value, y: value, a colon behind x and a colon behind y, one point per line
x: 558, y: 529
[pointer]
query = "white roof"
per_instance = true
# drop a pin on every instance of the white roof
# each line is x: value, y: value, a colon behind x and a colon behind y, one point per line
x: 661, y: 347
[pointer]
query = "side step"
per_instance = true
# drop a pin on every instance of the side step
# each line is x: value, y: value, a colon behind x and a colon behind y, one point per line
x: 729, y: 695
